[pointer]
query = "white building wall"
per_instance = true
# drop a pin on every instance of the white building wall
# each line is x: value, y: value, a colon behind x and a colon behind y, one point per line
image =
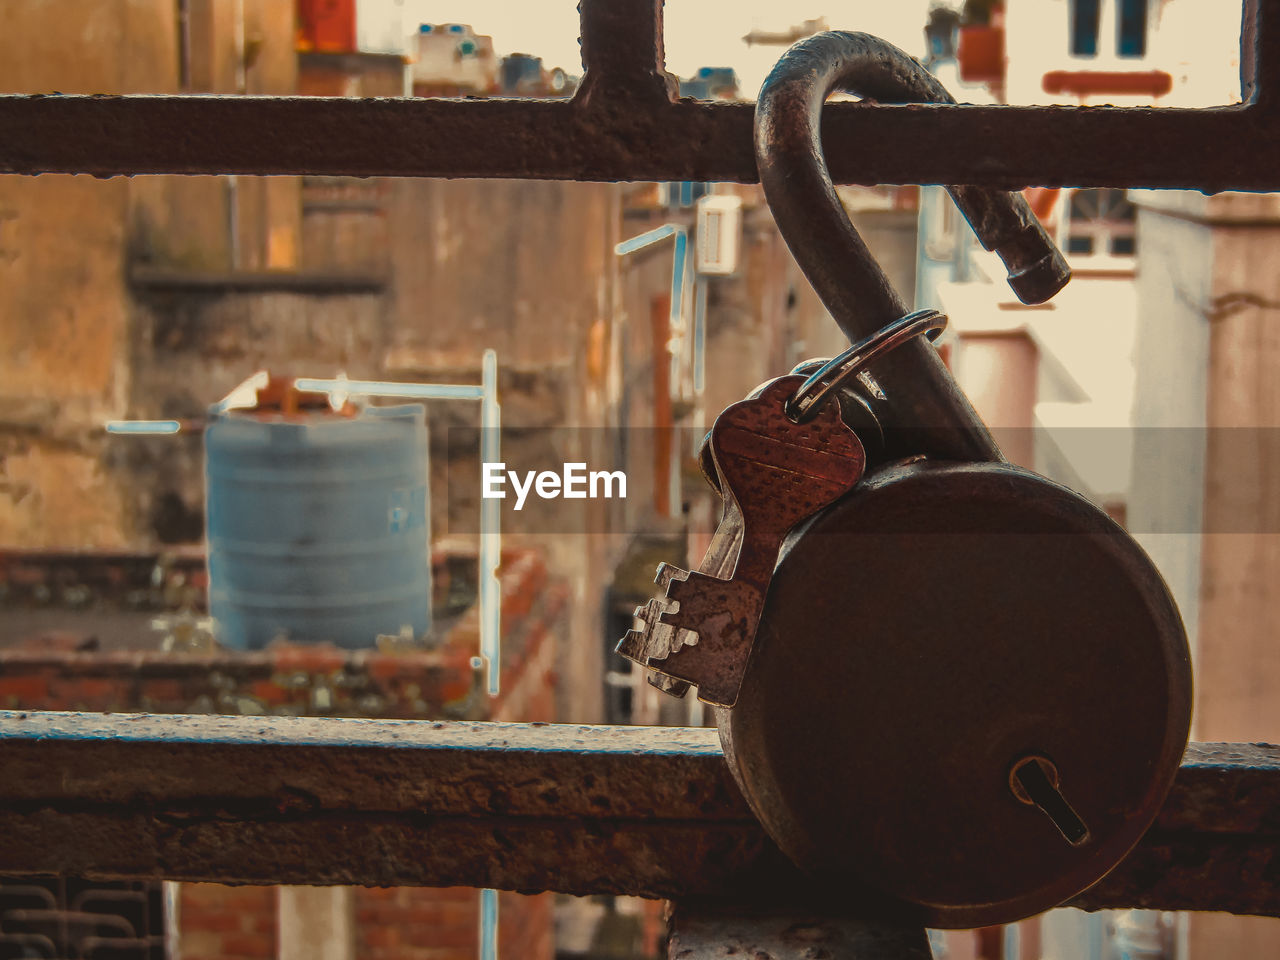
x: 1197, y: 42
x: 380, y: 27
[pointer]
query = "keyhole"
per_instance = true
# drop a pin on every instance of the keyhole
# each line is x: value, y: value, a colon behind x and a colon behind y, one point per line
x: 1034, y: 781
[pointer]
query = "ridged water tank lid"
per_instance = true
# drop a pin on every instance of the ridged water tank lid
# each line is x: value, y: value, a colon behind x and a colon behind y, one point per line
x: 306, y: 428
x: 283, y: 415
x: 313, y: 434
x: 318, y: 417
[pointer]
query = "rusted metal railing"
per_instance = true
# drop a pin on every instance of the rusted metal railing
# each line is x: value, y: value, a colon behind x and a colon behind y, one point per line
x: 648, y: 811
x: 626, y: 123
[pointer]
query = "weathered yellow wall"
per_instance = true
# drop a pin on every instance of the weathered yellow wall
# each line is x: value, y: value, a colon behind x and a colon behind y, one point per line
x: 64, y: 343
x: 70, y: 332
x: 512, y: 265
x: 64, y: 315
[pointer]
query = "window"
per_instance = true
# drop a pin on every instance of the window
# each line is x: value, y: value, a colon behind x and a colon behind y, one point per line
x: 1087, y: 23
x: 1084, y: 27
x: 1131, y: 28
x: 1100, y: 225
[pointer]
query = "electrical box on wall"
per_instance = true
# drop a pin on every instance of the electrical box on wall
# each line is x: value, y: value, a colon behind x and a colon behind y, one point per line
x: 719, y: 234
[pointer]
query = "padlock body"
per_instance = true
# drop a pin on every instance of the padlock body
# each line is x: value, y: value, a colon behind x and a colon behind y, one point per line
x: 921, y: 637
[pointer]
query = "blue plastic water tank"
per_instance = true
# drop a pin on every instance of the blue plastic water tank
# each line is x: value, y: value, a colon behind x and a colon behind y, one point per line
x: 317, y: 526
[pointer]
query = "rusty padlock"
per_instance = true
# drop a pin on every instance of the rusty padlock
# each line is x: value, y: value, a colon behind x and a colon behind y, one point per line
x: 969, y: 689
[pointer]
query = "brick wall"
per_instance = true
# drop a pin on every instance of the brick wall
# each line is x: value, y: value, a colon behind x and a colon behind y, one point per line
x: 408, y: 923
x: 393, y: 923
x: 216, y: 922
x: 525, y: 927
x: 45, y: 672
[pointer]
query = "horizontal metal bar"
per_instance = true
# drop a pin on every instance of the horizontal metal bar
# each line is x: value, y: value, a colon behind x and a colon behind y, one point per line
x: 646, y: 239
x: 624, y: 123
x: 150, y: 427
x: 1213, y: 149
x: 387, y: 388
x: 579, y: 809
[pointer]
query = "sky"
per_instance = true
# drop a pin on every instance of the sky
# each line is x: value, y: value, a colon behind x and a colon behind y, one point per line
x: 699, y: 33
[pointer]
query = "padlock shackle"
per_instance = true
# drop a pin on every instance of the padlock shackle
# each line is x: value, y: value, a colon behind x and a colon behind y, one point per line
x: 833, y: 256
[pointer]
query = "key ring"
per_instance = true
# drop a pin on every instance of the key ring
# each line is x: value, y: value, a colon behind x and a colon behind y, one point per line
x: 822, y: 383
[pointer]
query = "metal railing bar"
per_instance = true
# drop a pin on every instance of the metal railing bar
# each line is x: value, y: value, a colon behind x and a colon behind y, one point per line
x: 1008, y: 147
x: 624, y: 124
x: 644, y: 811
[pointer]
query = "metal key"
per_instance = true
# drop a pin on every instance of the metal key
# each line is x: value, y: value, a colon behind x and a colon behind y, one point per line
x: 773, y: 473
x: 658, y: 640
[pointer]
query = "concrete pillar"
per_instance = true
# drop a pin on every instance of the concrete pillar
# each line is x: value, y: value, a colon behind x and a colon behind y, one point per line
x: 315, y: 923
x: 1204, y: 500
